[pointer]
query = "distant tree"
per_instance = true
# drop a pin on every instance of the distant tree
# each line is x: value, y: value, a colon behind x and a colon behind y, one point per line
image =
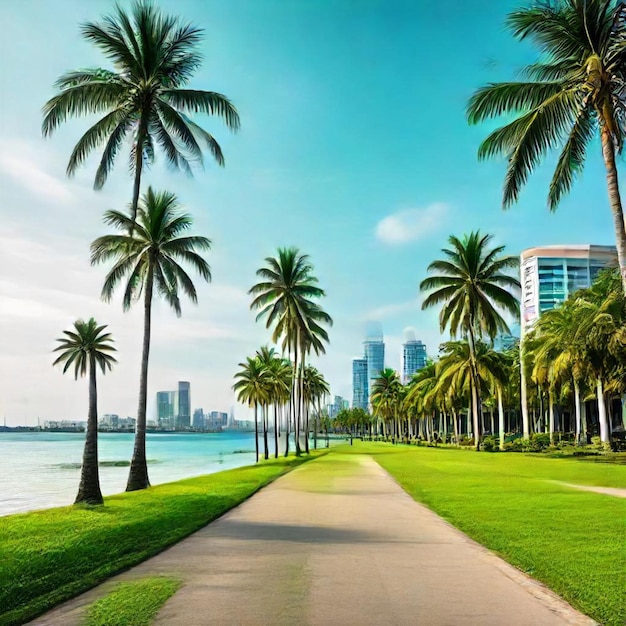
x: 87, y: 347
x: 573, y: 93
x: 286, y: 297
x: 150, y: 255
x: 252, y: 388
x: 145, y: 98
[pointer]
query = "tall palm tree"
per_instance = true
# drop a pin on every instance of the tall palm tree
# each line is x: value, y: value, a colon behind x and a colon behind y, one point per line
x: 145, y: 97
x: 286, y: 298
x: 252, y: 387
x: 150, y: 256
x: 87, y: 347
x: 572, y: 94
x: 473, y: 286
x: 315, y: 389
x: 385, y: 397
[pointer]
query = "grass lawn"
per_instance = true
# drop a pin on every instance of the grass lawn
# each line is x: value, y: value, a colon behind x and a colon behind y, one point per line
x: 134, y: 603
x: 571, y: 540
x: 49, y: 556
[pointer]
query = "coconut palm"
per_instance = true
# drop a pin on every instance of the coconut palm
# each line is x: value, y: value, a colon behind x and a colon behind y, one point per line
x: 385, y: 397
x: 573, y: 93
x: 86, y: 347
x: 150, y: 256
x: 144, y: 98
x: 473, y: 286
x: 315, y: 389
x: 252, y: 387
x: 285, y: 297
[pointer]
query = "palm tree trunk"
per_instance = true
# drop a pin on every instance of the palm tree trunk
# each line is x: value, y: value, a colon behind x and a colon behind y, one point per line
x: 296, y: 399
x: 89, y: 487
x: 524, y: 396
x: 577, y: 410
x: 608, y: 152
x: 266, y: 448
x: 138, y: 474
x: 551, y: 414
x: 276, y: 431
x: 500, y: 418
x: 602, y: 419
x: 455, y: 426
x: 474, y: 386
x: 256, y: 430
x: 307, y: 408
x: 141, y: 137
x: 288, y: 429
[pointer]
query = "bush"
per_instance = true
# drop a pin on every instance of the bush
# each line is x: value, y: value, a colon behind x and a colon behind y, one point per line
x: 490, y: 444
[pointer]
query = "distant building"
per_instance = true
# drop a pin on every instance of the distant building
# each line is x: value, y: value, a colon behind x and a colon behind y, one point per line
x: 167, y: 409
x: 339, y: 404
x: 375, y: 355
x: 413, y: 358
x: 183, y: 419
x: 198, y: 419
x: 216, y: 420
x: 174, y: 408
x: 360, y: 388
x: 109, y: 421
x: 550, y: 274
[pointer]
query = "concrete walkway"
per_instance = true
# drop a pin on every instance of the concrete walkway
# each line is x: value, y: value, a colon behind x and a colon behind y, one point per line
x: 337, y: 542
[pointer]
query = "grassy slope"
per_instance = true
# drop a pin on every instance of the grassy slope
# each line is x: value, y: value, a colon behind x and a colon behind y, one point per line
x: 134, y: 603
x: 571, y: 540
x: 47, y: 557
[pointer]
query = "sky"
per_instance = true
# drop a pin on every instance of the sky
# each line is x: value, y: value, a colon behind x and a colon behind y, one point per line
x: 353, y: 147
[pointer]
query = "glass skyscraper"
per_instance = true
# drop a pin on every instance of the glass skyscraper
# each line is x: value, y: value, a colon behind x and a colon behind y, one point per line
x: 413, y: 358
x: 550, y: 274
x: 360, y: 388
x: 174, y: 407
x: 375, y: 356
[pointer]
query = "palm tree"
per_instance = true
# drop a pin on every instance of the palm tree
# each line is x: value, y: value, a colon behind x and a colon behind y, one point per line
x: 573, y: 92
x: 315, y: 389
x: 145, y: 97
x: 285, y: 297
x: 150, y: 256
x: 87, y: 347
x: 385, y: 397
x: 473, y: 286
x: 252, y: 387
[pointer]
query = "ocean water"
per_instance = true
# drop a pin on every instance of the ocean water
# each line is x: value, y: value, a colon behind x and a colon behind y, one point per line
x: 40, y: 470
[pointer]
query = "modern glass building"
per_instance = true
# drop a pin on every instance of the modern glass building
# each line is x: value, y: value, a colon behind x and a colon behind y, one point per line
x: 413, y: 358
x: 375, y: 356
x: 183, y: 419
x: 360, y: 388
x: 167, y: 409
x: 550, y: 274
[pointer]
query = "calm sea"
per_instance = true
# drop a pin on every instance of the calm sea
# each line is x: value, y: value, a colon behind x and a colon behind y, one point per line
x: 39, y: 470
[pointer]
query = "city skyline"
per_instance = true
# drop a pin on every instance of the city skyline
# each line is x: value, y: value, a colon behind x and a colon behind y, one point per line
x: 318, y: 163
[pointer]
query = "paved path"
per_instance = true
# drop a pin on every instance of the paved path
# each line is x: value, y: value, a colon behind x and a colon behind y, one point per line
x: 338, y: 542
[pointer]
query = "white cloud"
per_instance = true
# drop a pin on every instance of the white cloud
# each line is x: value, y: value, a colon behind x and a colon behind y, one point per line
x: 412, y: 224
x: 391, y: 310
x: 18, y: 162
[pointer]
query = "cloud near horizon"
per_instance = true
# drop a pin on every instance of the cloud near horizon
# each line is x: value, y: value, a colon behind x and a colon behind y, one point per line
x: 412, y: 224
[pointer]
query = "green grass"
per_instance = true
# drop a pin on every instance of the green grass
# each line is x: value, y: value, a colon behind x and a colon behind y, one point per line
x: 133, y: 603
x: 47, y: 557
x: 571, y: 540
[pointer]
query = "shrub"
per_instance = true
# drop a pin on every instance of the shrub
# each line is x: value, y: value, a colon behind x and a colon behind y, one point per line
x: 490, y: 444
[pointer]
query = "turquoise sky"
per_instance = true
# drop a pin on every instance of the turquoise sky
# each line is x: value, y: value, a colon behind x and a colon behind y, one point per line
x: 353, y: 147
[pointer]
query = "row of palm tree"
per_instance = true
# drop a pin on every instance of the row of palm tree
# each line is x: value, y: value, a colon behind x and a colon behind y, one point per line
x: 265, y: 382
x: 287, y: 298
x: 574, y: 353
x: 144, y: 100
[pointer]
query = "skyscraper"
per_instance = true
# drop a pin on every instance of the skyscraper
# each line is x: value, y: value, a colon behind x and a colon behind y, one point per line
x: 550, y: 274
x: 374, y: 348
x: 413, y: 356
x: 183, y: 419
x: 360, y: 389
x: 167, y: 409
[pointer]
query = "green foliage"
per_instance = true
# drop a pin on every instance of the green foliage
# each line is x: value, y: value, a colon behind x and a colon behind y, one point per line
x: 146, y: 98
x: 570, y: 540
x: 133, y: 603
x: 49, y: 556
x: 490, y: 444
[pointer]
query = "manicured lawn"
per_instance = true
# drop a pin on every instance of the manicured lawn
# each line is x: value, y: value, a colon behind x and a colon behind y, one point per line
x: 47, y: 557
x: 133, y: 603
x: 571, y: 540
